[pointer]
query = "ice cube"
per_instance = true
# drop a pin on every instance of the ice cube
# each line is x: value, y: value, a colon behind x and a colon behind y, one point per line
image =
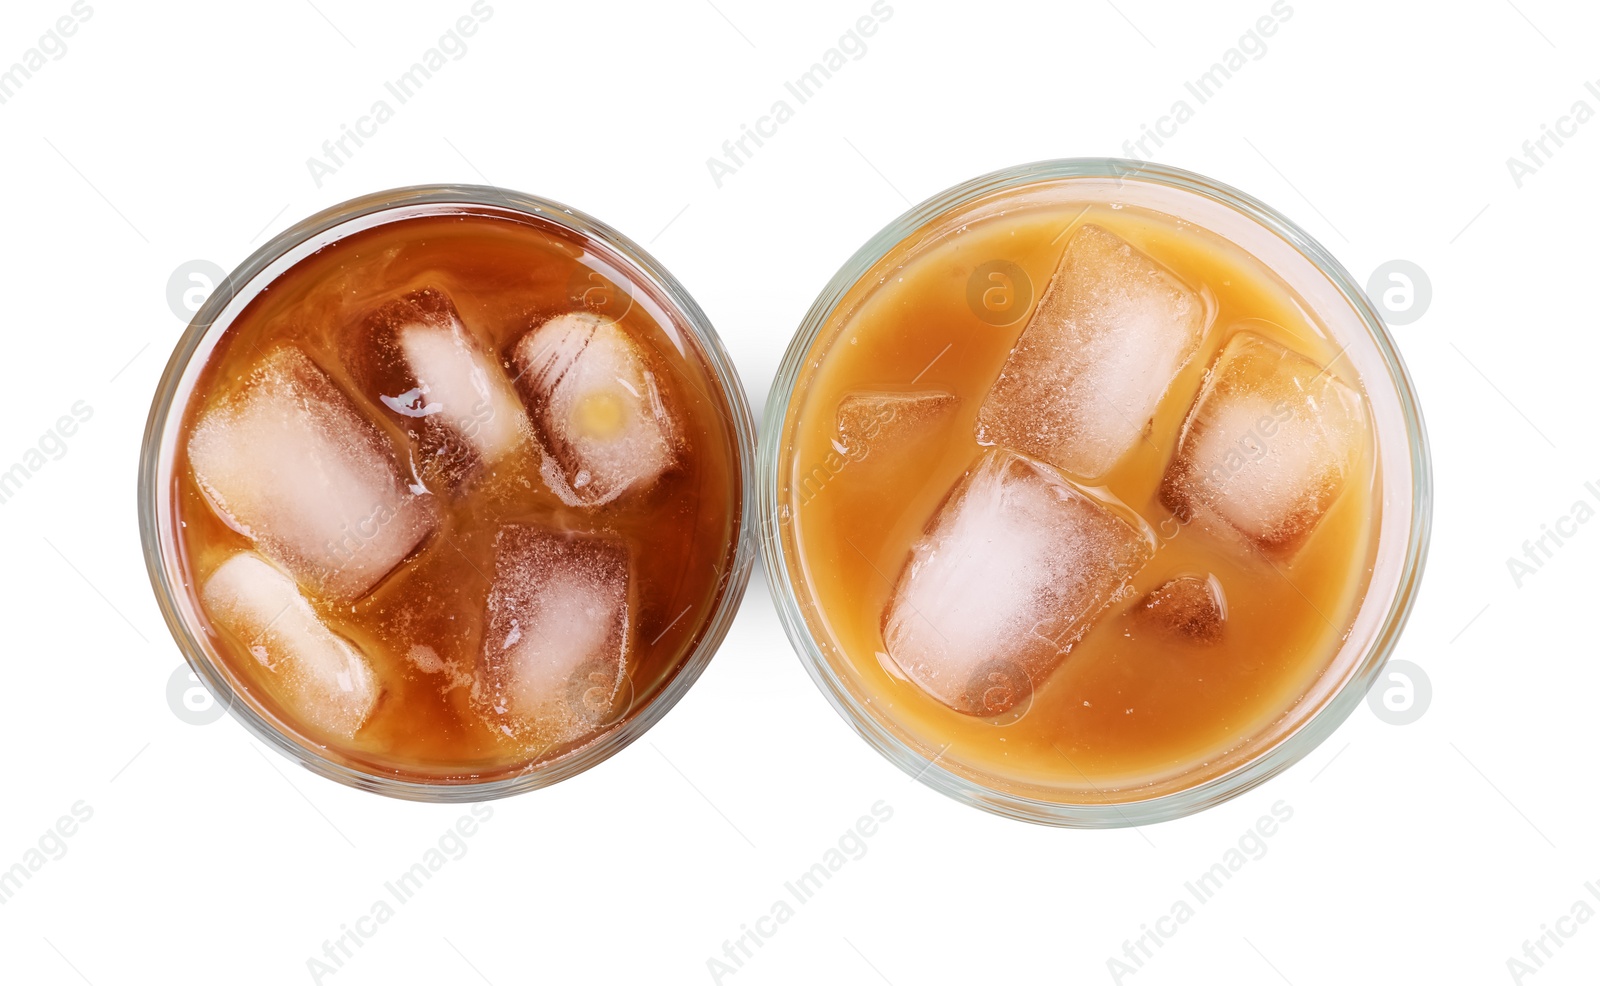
x: 288, y: 461
x: 596, y: 408
x: 414, y: 357
x: 870, y: 421
x: 1267, y: 445
x: 320, y: 676
x: 1111, y: 331
x: 557, y: 633
x: 1010, y: 573
x: 1190, y: 607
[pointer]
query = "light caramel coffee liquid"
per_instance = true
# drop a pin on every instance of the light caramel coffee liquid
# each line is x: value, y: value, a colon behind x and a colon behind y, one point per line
x: 1129, y: 706
x: 422, y: 627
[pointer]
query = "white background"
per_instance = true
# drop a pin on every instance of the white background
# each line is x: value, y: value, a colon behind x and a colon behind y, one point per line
x: 1421, y: 853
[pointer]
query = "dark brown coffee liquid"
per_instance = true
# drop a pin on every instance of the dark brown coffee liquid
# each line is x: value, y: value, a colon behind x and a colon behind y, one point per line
x: 422, y: 626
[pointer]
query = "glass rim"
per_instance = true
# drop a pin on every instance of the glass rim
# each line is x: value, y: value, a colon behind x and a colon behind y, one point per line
x: 164, y: 410
x: 1276, y: 758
